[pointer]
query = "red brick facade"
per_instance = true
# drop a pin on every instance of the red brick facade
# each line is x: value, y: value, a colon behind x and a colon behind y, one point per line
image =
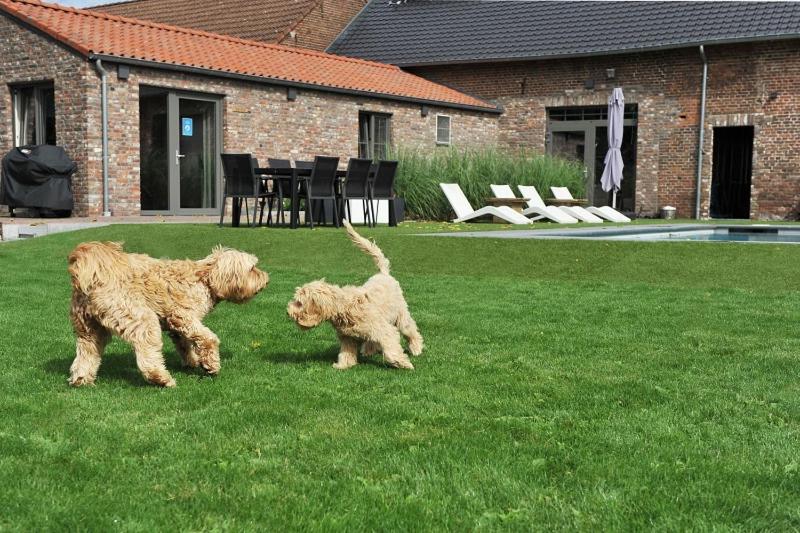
x: 748, y: 84
x: 257, y: 117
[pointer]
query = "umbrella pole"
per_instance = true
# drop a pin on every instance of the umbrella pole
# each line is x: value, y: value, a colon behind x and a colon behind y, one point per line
x: 614, y: 199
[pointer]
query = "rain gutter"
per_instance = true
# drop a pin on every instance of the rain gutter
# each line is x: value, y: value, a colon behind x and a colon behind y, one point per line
x: 699, y: 180
x: 98, y: 64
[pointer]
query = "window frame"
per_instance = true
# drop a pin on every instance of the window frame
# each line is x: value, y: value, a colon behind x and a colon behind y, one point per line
x: 367, y: 149
x: 449, y: 130
x: 39, y: 112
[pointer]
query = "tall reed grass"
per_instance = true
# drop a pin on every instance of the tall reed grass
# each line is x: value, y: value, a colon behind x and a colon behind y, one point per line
x: 474, y: 169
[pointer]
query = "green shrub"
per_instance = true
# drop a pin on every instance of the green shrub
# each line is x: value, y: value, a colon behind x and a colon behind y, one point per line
x: 419, y: 174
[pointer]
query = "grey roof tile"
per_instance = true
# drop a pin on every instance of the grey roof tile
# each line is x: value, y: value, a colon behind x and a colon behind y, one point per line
x: 415, y: 32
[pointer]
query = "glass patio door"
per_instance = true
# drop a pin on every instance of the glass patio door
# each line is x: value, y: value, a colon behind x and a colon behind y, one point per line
x: 179, y: 141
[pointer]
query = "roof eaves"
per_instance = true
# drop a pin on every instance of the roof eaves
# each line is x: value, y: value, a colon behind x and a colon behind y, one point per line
x: 291, y: 83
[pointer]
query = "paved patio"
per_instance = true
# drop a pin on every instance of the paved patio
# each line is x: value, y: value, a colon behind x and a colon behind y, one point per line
x: 14, y: 228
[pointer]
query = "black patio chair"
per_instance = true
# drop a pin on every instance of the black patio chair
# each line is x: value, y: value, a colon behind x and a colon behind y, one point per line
x: 356, y: 187
x: 241, y: 182
x: 321, y: 187
x: 382, y: 187
x: 282, y: 184
x: 303, y: 165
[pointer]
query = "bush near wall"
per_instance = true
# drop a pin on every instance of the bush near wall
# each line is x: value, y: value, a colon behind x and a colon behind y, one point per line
x: 419, y: 174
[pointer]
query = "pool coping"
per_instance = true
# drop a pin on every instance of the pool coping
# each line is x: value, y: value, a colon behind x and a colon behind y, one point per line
x: 599, y: 233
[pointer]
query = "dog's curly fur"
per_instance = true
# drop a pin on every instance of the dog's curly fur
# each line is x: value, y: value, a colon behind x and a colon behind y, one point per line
x: 372, y: 316
x: 136, y: 297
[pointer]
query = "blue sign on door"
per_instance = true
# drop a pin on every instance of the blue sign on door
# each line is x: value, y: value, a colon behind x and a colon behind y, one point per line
x: 187, y: 127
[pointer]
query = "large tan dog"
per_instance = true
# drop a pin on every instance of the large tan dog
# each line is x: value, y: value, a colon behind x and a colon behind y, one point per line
x: 371, y: 316
x: 136, y: 297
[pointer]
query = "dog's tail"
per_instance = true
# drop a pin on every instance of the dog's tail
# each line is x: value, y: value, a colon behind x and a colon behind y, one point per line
x: 95, y: 263
x: 369, y: 247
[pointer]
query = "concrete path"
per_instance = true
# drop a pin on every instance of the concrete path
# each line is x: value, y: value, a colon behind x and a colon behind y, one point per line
x: 14, y: 228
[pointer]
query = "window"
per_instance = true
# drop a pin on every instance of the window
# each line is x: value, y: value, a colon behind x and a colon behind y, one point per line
x: 561, y: 114
x: 374, y: 135
x: 34, y: 115
x: 442, y: 129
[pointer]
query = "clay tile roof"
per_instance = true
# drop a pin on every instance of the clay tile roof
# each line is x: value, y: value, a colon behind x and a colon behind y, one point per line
x: 257, y: 20
x: 93, y: 33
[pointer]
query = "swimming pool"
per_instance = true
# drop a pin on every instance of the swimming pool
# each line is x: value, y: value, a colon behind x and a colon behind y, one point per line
x: 756, y: 233
x: 773, y: 234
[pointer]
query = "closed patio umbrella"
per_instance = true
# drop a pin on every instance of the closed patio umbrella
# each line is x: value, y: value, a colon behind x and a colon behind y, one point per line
x: 612, y: 174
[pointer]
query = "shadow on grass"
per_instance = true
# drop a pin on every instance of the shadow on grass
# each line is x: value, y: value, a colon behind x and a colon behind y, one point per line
x: 122, y: 367
x: 327, y: 357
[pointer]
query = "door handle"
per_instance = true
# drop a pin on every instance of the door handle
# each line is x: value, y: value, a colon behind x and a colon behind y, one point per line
x: 178, y: 157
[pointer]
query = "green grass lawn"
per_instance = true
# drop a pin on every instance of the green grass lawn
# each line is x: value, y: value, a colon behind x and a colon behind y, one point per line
x: 565, y: 385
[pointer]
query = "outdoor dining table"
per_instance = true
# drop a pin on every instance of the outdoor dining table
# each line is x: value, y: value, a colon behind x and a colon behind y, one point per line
x: 296, y: 176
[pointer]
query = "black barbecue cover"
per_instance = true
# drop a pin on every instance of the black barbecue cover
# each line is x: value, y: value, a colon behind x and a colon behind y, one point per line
x: 37, y: 176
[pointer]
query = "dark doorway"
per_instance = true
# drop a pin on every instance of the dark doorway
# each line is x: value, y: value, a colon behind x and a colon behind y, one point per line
x: 732, y: 172
x: 153, y: 146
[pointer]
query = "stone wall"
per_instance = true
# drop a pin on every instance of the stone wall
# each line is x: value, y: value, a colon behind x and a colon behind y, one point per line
x: 748, y: 84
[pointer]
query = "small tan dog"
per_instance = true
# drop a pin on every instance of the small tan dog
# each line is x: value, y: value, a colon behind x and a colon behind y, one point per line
x: 136, y: 297
x: 371, y: 316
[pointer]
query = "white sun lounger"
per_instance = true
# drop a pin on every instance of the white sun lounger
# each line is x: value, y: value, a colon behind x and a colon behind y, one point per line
x: 530, y: 192
x: 606, y: 212
x: 464, y: 211
x: 575, y: 210
x: 536, y: 206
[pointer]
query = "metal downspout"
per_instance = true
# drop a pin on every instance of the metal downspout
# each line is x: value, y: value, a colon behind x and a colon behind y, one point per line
x: 104, y: 119
x: 699, y: 183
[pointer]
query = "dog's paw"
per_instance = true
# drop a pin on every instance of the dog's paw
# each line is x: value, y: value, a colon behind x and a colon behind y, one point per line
x: 415, y: 347
x: 405, y: 365
x: 211, y: 368
x: 191, y: 362
x: 342, y: 366
x: 81, y: 381
x: 162, y: 379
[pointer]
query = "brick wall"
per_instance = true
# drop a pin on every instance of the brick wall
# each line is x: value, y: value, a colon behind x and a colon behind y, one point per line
x: 323, y: 24
x: 257, y: 118
x: 748, y: 84
x: 24, y: 54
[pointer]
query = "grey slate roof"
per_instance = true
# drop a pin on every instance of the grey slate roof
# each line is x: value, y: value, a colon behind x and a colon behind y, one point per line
x: 418, y: 32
